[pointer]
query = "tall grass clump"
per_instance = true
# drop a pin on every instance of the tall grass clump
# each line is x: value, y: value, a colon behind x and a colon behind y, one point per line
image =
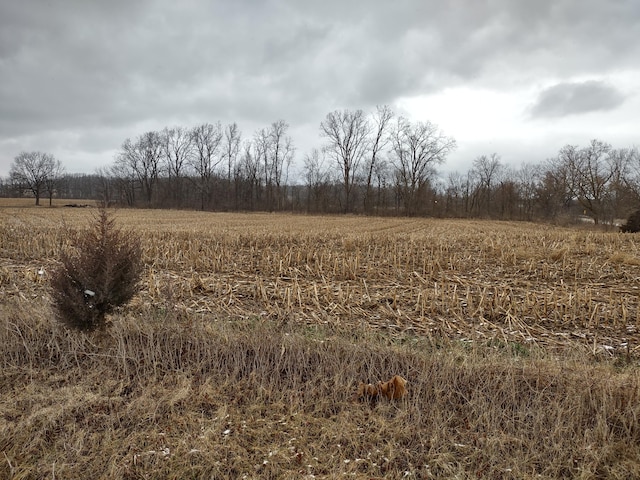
x: 98, y: 274
x: 216, y: 398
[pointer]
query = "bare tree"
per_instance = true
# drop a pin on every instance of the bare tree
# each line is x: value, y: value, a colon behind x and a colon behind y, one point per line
x: 262, y: 143
x: 124, y: 182
x: 281, y: 152
x: 206, y: 139
x: 632, y: 171
x: 417, y: 150
x: 347, y: 133
x: 506, y: 193
x: 552, y: 196
x: 105, y: 190
x: 32, y: 171
x: 626, y: 184
x: 52, y: 181
x: 379, y: 141
x: 457, y: 192
x: 249, y: 168
x: 486, y: 169
x: 177, y: 145
x: 528, y: 177
x: 230, y: 152
x: 143, y: 158
x: 317, y: 181
x: 232, y: 138
x: 177, y: 148
x: 588, y: 174
x: 381, y: 177
x: 275, y: 150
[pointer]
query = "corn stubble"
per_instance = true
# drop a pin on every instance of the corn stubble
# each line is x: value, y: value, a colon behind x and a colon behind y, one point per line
x: 242, y: 353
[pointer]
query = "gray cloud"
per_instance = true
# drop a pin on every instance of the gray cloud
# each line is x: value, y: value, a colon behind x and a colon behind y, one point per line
x: 574, y: 98
x: 75, y: 67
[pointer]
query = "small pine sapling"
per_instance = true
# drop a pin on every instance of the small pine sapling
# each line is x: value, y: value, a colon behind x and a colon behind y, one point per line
x: 100, y: 273
x: 633, y: 223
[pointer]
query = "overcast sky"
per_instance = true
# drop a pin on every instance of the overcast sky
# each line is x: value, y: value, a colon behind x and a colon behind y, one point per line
x: 518, y: 77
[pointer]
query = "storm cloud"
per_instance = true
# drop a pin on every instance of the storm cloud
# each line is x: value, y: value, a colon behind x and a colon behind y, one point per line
x: 575, y: 98
x: 81, y: 76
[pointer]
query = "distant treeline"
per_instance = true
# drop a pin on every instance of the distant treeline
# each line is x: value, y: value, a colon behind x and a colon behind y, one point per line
x: 374, y: 164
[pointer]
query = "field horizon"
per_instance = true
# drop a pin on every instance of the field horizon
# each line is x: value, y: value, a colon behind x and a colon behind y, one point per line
x: 240, y: 356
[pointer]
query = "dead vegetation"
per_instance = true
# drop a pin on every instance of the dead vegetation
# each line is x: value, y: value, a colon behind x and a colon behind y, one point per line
x: 100, y: 274
x: 393, y: 389
x: 242, y: 352
x: 217, y: 399
x: 478, y: 282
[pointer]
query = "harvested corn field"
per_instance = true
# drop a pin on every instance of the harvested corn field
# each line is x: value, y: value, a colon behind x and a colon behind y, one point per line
x: 474, y: 281
x: 243, y: 354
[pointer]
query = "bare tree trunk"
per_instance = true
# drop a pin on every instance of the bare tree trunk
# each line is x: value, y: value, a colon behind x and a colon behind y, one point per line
x: 347, y: 133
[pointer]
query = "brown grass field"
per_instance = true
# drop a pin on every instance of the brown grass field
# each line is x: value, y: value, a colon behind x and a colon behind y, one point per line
x: 241, y: 354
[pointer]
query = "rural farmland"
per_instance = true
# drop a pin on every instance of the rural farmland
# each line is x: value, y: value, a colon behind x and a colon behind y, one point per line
x: 240, y: 354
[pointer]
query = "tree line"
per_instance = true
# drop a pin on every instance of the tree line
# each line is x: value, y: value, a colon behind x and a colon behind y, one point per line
x: 368, y: 163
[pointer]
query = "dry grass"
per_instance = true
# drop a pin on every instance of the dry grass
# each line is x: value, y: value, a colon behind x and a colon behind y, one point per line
x: 258, y: 329
x: 218, y: 399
